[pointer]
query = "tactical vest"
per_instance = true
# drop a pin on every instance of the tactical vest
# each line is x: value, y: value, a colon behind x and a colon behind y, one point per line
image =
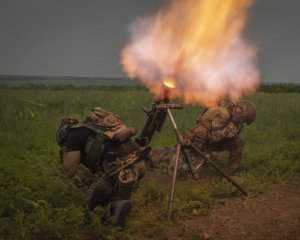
x: 94, y: 146
x: 111, y: 165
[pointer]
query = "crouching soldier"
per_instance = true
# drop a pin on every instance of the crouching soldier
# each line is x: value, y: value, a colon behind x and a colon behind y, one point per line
x: 103, y: 144
x: 218, y: 129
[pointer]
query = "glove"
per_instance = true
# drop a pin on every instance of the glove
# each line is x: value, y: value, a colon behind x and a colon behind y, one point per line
x: 232, y: 131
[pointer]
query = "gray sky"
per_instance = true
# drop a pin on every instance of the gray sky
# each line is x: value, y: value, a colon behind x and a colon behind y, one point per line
x: 85, y: 37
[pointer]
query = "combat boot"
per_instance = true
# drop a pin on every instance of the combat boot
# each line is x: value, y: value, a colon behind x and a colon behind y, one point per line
x: 116, y: 213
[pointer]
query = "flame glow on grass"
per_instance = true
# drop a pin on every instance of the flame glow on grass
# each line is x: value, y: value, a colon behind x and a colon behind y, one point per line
x: 199, y: 45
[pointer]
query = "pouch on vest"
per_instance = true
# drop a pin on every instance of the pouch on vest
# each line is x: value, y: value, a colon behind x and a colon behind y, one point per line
x: 94, y: 149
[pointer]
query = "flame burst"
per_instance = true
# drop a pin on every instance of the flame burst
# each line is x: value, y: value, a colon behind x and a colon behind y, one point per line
x: 170, y: 83
x: 198, y: 44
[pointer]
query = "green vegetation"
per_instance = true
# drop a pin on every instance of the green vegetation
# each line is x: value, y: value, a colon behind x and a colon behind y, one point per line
x: 280, y: 87
x: 15, y: 81
x: 38, y: 202
x: 79, y: 83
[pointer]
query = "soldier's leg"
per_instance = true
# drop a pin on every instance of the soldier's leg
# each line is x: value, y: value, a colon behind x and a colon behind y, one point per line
x: 116, y: 213
x: 99, y: 192
x: 120, y: 211
x: 114, y: 198
x: 235, y: 147
x: 128, y: 178
x: 200, y: 140
x: 184, y: 170
x: 235, y: 155
x: 160, y: 157
x: 119, y: 205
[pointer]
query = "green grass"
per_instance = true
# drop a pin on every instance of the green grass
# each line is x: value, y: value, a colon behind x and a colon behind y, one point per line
x: 38, y: 200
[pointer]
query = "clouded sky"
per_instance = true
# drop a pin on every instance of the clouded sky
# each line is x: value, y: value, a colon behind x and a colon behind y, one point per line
x: 85, y: 37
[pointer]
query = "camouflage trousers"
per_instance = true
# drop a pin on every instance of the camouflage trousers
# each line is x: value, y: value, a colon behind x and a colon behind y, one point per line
x: 234, y: 146
x: 113, y: 194
x: 114, y: 198
x: 107, y: 189
x: 103, y: 189
x: 165, y: 157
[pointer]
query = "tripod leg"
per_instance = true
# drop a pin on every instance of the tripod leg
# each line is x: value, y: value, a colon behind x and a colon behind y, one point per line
x: 171, y: 195
x: 189, y: 162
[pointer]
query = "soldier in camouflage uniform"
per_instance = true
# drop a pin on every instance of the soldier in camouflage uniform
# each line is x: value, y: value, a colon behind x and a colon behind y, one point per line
x: 217, y: 129
x: 103, y: 144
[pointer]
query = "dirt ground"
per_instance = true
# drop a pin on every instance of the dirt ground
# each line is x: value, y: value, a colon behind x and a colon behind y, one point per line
x: 274, y: 214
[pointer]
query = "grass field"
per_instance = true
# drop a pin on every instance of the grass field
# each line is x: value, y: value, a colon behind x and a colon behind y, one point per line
x: 38, y: 202
x: 47, y: 81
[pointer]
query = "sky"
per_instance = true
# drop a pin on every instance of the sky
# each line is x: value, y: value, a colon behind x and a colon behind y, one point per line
x: 84, y: 38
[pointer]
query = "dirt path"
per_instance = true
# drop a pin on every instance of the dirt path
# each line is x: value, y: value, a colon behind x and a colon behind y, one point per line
x: 275, y: 214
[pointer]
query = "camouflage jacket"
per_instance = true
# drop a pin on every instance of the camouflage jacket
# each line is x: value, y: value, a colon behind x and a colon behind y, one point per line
x: 213, y: 125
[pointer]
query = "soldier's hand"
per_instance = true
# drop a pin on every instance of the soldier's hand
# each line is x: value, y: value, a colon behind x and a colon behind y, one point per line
x: 232, y: 134
x: 232, y: 130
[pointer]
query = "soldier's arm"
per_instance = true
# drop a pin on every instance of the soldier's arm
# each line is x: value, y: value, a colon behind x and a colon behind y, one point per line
x: 71, y: 161
x: 72, y: 154
x: 219, y: 127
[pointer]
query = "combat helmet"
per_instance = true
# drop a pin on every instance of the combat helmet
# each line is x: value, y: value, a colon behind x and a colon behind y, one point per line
x: 249, y: 110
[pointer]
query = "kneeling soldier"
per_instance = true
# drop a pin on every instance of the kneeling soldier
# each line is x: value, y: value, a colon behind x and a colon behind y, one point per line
x: 218, y: 129
x: 103, y: 144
